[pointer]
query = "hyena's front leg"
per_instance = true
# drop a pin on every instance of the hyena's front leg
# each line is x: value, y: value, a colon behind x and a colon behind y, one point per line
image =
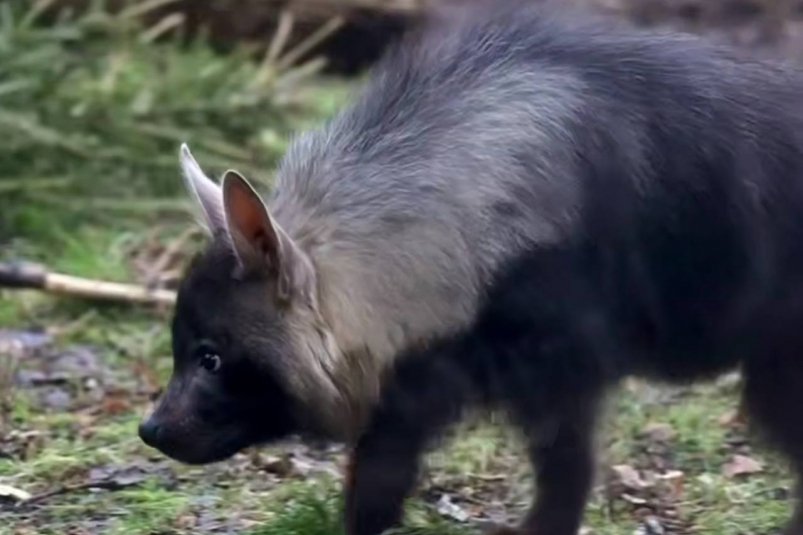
x: 377, y: 484
x: 425, y: 394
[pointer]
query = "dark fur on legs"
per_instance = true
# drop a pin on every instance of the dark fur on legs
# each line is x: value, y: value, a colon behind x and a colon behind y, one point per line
x: 650, y: 184
x: 385, y: 464
x: 773, y: 392
x: 546, y: 348
x: 564, y: 464
x: 683, y: 260
x: 541, y: 353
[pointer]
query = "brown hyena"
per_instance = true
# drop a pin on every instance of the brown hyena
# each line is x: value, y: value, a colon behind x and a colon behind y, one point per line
x: 520, y: 209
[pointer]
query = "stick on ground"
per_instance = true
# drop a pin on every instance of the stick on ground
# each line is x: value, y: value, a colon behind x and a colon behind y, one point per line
x: 33, y: 276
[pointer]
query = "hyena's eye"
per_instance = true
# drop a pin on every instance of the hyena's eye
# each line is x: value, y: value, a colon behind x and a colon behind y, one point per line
x: 208, y: 359
x: 210, y: 362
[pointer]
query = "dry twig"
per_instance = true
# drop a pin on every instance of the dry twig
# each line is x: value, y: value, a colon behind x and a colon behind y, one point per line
x: 32, y: 276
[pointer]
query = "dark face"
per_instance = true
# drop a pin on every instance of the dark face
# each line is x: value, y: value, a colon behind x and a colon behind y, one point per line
x: 225, y: 393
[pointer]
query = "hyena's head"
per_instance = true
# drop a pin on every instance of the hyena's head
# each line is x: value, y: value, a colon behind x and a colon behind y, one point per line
x: 250, y: 351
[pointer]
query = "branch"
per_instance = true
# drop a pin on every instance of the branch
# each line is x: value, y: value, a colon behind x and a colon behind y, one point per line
x: 32, y: 276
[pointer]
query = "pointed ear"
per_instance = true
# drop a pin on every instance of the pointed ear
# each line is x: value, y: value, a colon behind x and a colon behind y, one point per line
x: 259, y: 241
x: 207, y: 194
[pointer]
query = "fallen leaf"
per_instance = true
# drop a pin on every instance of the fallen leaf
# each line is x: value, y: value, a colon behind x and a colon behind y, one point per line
x: 733, y: 418
x: 116, y: 403
x: 14, y: 494
x: 446, y: 507
x: 126, y: 476
x: 741, y: 465
x: 281, y: 466
x: 629, y: 477
x: 675, y: 480
x: 635, y: 500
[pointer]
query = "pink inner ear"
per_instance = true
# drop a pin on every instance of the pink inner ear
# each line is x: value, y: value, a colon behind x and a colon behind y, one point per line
x: 248, y: 217
x: 244, y: 211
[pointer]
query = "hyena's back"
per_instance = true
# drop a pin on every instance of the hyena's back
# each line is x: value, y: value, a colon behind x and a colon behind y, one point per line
x: 452, y: 160
x: 678, y: 171
x: 513, y: 128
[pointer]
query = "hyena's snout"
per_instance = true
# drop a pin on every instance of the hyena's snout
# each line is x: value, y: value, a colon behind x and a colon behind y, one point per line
x: 150, y: 432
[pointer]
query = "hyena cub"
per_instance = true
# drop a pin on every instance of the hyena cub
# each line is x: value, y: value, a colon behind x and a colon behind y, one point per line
x: 519, y: 210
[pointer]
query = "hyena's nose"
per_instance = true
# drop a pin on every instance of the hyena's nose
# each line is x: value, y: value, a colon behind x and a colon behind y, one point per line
x: 149, y: 432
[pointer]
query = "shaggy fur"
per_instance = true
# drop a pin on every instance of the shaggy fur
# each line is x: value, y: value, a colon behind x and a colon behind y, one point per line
x: 682, y: 258
x: 520, y: 209
x: 397, y: 213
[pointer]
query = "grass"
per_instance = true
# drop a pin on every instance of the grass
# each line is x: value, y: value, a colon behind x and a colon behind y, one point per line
x: 91, y: 114
x: 484, y: 463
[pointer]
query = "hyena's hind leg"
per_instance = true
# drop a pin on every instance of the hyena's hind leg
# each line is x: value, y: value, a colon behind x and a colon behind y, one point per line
x: 773, y: 396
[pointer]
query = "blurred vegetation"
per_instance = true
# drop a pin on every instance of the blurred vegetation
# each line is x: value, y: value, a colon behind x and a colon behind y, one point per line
x: 92, y: 112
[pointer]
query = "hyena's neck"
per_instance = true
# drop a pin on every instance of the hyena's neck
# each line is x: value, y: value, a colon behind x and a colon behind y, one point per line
x: 375, y: 306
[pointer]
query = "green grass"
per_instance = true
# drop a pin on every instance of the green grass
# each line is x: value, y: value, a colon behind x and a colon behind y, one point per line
x: 483, y: 460
x: 92, y: 112
x: 317, y: 510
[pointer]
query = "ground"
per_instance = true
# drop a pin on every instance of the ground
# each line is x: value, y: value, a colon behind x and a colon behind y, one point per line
x: 90, y: 187
x: 674, y: 460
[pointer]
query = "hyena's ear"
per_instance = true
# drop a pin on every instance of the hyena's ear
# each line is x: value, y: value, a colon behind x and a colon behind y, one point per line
x: 259, y: 241
x: 207, y: 194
